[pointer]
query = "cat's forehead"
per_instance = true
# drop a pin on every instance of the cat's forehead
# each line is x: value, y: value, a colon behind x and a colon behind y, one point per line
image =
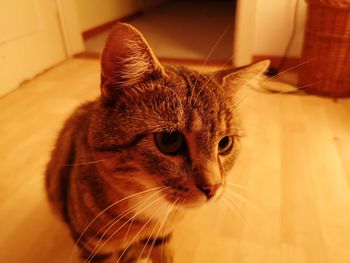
x: 190, y: 78
x: 207, y: 109
x: 194, y: 85
x: 184, y: 100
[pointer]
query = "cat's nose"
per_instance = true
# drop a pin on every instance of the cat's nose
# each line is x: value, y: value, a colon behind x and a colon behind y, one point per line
x: 209, y: 190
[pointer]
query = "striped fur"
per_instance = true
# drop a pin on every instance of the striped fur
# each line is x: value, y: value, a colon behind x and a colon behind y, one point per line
x: 105, y: 154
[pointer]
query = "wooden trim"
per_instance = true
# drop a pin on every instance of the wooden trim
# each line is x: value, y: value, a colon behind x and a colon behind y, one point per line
x: 101, y: 28
x: 276, y: 61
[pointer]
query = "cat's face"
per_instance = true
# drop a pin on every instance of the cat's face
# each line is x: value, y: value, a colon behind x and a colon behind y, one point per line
x: 166, y: 126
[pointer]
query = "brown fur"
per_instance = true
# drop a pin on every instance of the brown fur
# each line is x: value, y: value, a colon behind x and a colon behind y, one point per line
x: 106, y: 151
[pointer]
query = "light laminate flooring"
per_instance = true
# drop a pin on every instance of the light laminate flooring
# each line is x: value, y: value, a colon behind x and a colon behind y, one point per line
x: 294, y: 170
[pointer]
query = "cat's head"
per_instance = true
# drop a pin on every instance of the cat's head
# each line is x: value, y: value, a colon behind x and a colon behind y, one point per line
x: 165, y: 126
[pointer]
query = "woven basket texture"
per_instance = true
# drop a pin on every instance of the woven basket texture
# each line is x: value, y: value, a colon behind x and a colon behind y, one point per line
x: 327, y: 47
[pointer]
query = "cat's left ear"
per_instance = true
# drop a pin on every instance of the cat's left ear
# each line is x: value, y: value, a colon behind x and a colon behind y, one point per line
x: 126, y: 60
x: 250, y: 76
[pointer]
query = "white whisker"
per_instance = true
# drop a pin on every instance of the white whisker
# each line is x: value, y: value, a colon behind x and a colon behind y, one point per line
x: 240, y: 186
x: 161, y: 246
x: 289, y: 69
x: 146, y: 243
x: 130, y: 225
x: 207, y: 58
x: 181, y: 106
x: 158, y: 232
x: 112, y: 222
x: 106, y: 209
x: 308, y: 85
x: 201, y: 89
x: 110, y: 237
x: 130, y: 210
x: 135, y: 237
x: 246, y: 201
x: 86, y: 163
x: 235, y: 209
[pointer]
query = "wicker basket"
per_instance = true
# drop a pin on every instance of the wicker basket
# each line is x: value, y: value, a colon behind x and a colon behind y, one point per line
x: 327, y: 46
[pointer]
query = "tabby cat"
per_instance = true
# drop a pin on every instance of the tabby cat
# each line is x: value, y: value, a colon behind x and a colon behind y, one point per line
x: 158, y: 141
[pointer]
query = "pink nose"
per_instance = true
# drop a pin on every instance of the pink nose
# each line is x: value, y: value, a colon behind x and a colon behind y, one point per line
x: 209, y: 190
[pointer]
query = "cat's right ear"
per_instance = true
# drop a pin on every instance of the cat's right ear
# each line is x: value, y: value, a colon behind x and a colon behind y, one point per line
x: 126, y: 60
x: 235, y: 79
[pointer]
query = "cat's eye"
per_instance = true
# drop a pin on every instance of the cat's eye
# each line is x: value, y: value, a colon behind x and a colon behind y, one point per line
x: 225, y: 145
x: 169, y: 142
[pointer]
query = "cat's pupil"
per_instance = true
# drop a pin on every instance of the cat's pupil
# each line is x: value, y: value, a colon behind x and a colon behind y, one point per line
x: 169, y: 142
x: 169, y: 138
x: 225, y: 145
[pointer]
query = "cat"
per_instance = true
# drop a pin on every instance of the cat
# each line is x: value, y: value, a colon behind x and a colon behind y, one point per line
x: 159, y: 140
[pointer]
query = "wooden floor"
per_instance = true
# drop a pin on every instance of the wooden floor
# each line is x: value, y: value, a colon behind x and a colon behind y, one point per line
x: 295, y: 163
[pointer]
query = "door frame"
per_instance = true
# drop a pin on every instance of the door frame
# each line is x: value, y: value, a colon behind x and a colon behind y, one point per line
x: 243, y: 41
x: 70, y: 27
x: 244, y: 32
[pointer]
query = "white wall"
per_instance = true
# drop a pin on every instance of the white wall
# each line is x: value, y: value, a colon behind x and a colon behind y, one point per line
x: 93, y: 13
x: 273, y: 27
x: 30, y: 40
x: 244, y: 32
x: 70, y: 25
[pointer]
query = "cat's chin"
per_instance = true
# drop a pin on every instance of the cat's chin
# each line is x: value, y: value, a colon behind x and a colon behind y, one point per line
x: 196, y: 203
x: 200, y: 202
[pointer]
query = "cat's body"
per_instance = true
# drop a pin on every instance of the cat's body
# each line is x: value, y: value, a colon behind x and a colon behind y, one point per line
x: 78, y: 194
x: 159, y: 140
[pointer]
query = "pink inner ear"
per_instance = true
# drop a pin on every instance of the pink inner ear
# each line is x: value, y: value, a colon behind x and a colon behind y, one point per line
x: 126, y: 58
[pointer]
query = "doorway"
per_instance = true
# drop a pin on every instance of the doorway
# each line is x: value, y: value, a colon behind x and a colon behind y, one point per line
x: 183, y: 31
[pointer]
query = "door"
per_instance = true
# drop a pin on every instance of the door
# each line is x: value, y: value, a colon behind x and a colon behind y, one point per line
x: 30, y: 40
